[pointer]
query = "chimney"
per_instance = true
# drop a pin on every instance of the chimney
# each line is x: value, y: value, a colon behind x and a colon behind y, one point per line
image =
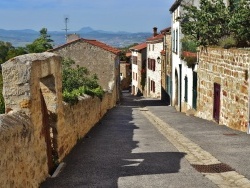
x: 72, y: 37
x: 155, y: 31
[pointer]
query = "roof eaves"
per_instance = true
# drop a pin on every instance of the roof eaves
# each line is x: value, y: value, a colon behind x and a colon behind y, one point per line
x: 175, y: 5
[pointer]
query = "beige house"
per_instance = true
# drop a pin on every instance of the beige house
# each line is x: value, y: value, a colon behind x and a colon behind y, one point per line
x: 97, y: 57
x: 125, y: 76
x: 166, y: 66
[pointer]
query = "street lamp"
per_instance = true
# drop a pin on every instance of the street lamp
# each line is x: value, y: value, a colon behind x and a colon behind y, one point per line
x: 158, y: 60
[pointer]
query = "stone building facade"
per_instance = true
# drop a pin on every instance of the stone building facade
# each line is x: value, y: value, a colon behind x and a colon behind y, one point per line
x: 223, y: 86
x: 39, y: 128
x: 166, y: 66
x: 97, y: 57
x: 125, y: 75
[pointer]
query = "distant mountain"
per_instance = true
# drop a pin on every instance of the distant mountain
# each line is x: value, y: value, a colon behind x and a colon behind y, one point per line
x: 116, y: 39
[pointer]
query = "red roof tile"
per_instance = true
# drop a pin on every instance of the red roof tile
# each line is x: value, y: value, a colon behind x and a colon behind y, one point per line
x: 92, y: 42
x: 139, y: 46
x: 128, y: 54
x: 166, y: 30
x: 157, y: 37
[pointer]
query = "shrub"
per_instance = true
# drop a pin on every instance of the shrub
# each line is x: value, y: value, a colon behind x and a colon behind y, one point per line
x: 77, y: 81
x: 227, y: 42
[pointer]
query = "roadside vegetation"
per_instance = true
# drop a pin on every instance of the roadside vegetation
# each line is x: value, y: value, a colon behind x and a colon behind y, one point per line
x: 77, y: 81
x: 214, y: 24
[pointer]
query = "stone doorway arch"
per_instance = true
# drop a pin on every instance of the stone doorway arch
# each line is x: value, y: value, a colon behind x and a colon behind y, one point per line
x: 32, y: 84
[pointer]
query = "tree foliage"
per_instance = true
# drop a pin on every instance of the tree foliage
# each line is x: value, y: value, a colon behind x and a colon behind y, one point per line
x: 213, y: 20
x: 41, y: 44
x: 77, y: 81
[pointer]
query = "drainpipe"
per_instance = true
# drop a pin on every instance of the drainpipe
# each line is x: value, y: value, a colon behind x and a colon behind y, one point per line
x: 248, y: 127
x: 180, y: 65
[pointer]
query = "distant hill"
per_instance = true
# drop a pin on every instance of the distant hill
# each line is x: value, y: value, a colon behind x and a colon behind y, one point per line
x: 116, y: 39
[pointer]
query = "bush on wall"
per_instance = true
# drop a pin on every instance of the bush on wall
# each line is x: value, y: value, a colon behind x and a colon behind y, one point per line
x: 76, y: 81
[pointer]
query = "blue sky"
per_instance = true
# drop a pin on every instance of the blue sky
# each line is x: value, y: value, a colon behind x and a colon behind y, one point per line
x: 109, y: 15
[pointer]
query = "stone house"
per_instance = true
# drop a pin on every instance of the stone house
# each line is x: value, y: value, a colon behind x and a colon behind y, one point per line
x: 166, y: 66
x: 154, y: 49
x: 184, y: 78
x: 139, y: 58
x: 97, y: 57
x: 125, y: 75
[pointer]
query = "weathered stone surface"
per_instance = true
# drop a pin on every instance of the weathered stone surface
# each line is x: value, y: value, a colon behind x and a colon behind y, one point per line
x: 229, y: 70
x: 33, y: 98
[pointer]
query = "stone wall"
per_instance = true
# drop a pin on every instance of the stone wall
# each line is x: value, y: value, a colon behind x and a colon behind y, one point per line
x: 23, y: 156
x: 230, y: 69
x: 126, y: 77
x: 38, y: 126
x: 79, y: 119
x: 95, y: 59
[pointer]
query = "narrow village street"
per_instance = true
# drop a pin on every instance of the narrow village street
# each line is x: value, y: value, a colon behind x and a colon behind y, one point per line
x: 145, y: 143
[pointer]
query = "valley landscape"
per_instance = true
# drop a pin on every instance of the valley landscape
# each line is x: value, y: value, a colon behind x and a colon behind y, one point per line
x: 117, y: 39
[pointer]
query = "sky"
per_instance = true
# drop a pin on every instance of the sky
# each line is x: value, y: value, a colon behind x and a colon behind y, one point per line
x: 108, y: 15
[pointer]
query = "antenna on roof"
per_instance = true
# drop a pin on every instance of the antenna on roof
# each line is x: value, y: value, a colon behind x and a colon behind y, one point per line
x: 66, y: 20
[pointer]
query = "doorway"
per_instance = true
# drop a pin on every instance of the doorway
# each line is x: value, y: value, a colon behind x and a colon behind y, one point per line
x: 216, y: 110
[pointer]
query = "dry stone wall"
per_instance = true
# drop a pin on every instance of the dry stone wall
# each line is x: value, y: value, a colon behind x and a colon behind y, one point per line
x: 80, y: 118
x: 229, y: 68
x: 38, y: 125
x: 23, y: 156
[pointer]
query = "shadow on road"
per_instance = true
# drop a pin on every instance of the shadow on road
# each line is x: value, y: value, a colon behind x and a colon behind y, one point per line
x: 105, y: 155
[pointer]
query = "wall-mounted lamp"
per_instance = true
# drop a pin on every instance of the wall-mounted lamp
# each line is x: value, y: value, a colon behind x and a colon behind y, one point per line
x: 158, y: 60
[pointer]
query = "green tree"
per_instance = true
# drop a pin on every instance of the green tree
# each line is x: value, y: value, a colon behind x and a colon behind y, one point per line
x: 4, y: 49
x: 206, y: 24
x: 240, y: 21
x: 76, y: 81
x: 41, y: 44
x: 13, y: 52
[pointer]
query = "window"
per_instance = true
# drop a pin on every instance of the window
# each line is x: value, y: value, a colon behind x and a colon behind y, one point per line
x: 151, y: 64
x: 173, y: 41
x: 176, y: 41
x: 153, y: 47
x: 152, y: 88
x: 134, y: 60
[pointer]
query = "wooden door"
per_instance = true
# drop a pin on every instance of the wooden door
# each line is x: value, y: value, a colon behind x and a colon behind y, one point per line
x: 216, y: 110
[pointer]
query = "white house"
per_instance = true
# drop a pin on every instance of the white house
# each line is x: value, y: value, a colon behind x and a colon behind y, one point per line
x: 184, y: 79
x: 138, y: 60
x: 154, y: 49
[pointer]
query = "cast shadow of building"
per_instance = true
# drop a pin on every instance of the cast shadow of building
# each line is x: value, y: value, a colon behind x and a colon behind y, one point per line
x: 105, y: 155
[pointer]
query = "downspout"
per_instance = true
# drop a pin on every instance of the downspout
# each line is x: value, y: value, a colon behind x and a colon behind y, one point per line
x: 180, y: 65
x: 248, y: 127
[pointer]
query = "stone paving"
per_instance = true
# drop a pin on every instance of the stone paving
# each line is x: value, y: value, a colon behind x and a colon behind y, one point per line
x: 144, y: 143
x: 196, y: 155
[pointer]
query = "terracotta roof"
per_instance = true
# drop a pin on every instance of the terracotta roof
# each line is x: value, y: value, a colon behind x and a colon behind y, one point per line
x: 175, y: 5
x: 155, y: 38
x: 92, y: 42
x: 139, y: 46
x: 128, y: 54
x: 168, y: 29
